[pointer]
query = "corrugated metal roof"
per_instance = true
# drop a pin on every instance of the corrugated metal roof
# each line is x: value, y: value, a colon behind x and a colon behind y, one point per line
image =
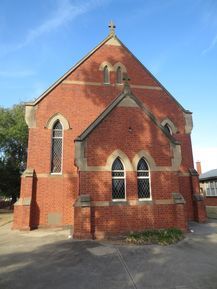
x: 208, y: 175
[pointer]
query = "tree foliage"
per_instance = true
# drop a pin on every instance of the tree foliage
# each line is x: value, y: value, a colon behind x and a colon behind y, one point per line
x: 13, y: 149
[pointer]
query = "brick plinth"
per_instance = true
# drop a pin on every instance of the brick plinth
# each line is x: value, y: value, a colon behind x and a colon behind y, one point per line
x: 22, y: 208
x: 199, y: 202
x: 199, y: 209
x: 181, y: 220
x: 21, y: 217
x: 82, y: 218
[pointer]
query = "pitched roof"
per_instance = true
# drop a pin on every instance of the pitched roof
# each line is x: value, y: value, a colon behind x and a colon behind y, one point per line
x: 208, y: 175
x: 126, y: 93
x: 110, y: 36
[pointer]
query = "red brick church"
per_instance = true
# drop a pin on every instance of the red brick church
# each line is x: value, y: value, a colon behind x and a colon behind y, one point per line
x: 108, y: 154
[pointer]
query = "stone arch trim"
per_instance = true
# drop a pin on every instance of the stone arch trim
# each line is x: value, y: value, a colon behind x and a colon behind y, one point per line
x: 103, y: 64
x: 170, y: 123
x: 81, y: 161
x: 123, y: 157
x: 147, y: 157
x: 122, y: 66
x: 61, y: 118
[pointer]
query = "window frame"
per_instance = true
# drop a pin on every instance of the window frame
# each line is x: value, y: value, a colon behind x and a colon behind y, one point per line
x: 171, y: 125
x: 122, y: 178
x: 144, y: 177
x: 168, y: 128
x: 51, y: 159
x: 106, y: 70
x: 119, y: 68
x: 208, y: 186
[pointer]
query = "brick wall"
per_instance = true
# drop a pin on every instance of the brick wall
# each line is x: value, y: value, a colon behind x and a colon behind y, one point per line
x: 80, y: 105
x: 211, y: 201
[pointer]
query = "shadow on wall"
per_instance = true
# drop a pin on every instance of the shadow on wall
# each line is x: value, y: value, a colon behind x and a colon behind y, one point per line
x: 35, y: 210
x: 109, y: 136
x: 101, y: 97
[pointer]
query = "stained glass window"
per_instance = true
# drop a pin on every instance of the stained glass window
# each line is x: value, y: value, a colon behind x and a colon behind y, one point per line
x: 168, y: 128
x: 106, y: 74
x: 118, y: 180
x: 143, y: 179
x: 57, y: 144
x: 119, y: 75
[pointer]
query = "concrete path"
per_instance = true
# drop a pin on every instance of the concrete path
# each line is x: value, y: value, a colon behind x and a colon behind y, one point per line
x: 48, y: 259
x: 6, y: 216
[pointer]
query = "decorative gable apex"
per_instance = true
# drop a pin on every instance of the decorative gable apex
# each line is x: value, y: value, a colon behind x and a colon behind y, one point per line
x: 111, y: 40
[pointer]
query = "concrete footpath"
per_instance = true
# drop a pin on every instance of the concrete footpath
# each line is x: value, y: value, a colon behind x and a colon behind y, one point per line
x: 48, y: 259
x: 6, y: 216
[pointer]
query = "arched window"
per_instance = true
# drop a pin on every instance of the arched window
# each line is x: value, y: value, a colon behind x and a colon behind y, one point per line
x: 119, y: 75
x: 57, y: 147
x: 168, y: 128
x: 106, y: 74
x: 143, y: 180
x: 118, y: 180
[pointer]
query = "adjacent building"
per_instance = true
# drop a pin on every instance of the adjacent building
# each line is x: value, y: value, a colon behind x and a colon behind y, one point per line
x: 208, y: 185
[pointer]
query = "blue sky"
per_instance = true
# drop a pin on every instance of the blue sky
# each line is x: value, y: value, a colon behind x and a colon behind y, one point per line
x: 175, y: 39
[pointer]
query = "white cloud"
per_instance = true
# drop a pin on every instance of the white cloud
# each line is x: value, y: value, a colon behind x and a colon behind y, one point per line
x: 65, y: 12
x: 211, y: 46
x: 16, y: 73
x: 207, y: 156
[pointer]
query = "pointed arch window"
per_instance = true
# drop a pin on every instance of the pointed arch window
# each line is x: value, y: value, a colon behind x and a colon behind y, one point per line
x: 168, y: 128
x: 118, y: 180
x: 106, y: 75
x: 119, y: 75
x: 143, y: 179
x: 57, y: 147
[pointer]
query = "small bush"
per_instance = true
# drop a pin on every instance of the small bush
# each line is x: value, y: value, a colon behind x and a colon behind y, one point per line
x: 161, y: 237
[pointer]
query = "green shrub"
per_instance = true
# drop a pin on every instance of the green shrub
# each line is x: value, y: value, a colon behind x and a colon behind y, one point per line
x: 161, y: 237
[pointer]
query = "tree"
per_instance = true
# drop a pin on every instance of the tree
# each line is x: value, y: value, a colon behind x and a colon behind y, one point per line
x: 13, y: 149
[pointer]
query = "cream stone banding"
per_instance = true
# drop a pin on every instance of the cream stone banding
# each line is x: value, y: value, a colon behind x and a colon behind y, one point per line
x: 78, y: 82
x: 81, y: 161
x: 177, y: 156
x: 128, y: 102
x: 188, y: 122
x: 113, y: 41
x: 61, y: 118
x: 30, y: 116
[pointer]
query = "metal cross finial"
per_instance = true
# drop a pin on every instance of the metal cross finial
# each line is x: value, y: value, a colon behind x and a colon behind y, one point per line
x: 112, y: 28
x: 126, y: 79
